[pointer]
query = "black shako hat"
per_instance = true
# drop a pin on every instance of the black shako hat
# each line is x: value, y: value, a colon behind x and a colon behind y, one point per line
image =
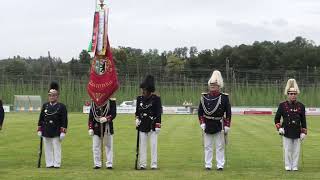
x: 148, y: 84
x: 54, y: 88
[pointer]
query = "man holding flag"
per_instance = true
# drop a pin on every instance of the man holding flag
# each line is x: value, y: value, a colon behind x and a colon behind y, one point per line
x: 102, y: 118
x: 103, y: 83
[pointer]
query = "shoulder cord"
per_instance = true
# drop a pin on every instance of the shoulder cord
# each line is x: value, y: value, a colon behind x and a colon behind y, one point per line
x: 146, y: 106
x: 53, y: 113
x: 214, y: 109
x: 105, y: 111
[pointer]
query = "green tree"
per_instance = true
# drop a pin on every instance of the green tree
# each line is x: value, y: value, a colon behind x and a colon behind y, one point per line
x: 84, y: 57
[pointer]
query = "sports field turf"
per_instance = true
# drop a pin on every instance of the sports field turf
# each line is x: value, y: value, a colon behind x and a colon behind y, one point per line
x: 254, y: 150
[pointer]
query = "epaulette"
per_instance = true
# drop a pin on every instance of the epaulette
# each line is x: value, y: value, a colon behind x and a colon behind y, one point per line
x: 113, y: 99
x: 156, y: 94
x: 225, y: 94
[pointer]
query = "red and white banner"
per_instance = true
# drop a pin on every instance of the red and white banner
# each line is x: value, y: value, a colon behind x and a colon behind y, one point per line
x: 103, y: 81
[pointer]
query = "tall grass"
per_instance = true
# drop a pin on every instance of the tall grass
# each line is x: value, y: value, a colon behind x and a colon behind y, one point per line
x: 74, y: 93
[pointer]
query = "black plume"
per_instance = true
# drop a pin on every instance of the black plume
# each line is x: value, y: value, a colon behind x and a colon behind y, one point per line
x: 54, y: 85
x: 148, y: 84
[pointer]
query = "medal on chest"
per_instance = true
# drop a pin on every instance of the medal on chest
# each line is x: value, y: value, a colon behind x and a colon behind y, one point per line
x: 145, y: 106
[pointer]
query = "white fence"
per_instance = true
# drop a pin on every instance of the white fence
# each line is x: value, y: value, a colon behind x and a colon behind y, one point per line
x: 6, y: 108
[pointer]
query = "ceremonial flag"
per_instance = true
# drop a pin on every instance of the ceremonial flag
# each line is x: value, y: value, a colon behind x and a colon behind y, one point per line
x: 103, y: 81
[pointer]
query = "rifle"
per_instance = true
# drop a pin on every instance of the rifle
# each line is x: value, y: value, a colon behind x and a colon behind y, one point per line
x: 137, y: 149
x: 40, y: 153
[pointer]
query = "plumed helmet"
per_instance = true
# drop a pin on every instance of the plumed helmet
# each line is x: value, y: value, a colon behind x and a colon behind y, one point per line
x: 291, y: 86
x: 54, y: 88
x: 216, y: 78
x: 148, y: 84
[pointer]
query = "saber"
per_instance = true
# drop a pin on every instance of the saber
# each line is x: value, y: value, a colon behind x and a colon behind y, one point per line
x: 137, y: 149
x: 283, y: 150
x: 225, y: 136
x: 40, y: 152
x: 302, y: 154
x: 204, y: 153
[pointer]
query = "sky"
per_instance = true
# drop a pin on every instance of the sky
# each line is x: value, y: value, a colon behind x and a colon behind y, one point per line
x: 64, y: 27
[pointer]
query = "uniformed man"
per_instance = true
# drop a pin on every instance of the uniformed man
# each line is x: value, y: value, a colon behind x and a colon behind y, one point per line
x: 148, y: 121
x: 214, y: 116
x: 52, y: 126
x: 293, y: 127
x: 103, y: 115
x: 1, y: 114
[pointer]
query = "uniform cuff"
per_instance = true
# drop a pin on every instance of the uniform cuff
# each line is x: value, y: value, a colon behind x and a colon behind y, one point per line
x: 63, y: 130
x: 226, y: 122
x: 90, y: 125
x: 201, y: 120
x: 109, y: 118
x: 158, y: 125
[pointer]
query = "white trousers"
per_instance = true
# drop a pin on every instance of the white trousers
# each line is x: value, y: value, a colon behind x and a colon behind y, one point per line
x: 291, y: 153
x: 52, y: 151
x: 218, y: 140
x: 96, y: 148
x: 143, y: 149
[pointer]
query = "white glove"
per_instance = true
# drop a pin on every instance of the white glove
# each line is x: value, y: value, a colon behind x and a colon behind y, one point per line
x: 302, y: 136
x: 157, y: 130
x: 226, y: 130
x: 62, y: 135
x: 39, y: 133
x: 103, y: 119
x: 281, y: 131
x: 138, y: 122
x: 91, y: 133
x: 203, y: 126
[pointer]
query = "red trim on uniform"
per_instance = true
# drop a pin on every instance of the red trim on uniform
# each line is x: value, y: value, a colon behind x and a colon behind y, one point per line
x: 158, y: 125
x: 214, y: 93
x: 90, y: 125
x: 278, y: 125
x: 39, y: 128
x: 304, y: 130
x: 63, y: 130
x: 109, y: 118
x: 201, y: 120
x: 226, y: 122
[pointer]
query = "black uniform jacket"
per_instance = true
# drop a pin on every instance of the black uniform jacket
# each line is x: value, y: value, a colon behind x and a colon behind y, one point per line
x: 1, y: 115
x: 294, y: 118
x: 148, y: 111
x: 212, y: 109
x: 110, y: 114
x: 53, y: 119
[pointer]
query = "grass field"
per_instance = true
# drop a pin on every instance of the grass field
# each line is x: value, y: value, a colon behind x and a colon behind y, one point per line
x: 254, y: 150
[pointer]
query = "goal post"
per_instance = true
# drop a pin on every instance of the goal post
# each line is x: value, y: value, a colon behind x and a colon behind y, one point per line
x: 27, y: 103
